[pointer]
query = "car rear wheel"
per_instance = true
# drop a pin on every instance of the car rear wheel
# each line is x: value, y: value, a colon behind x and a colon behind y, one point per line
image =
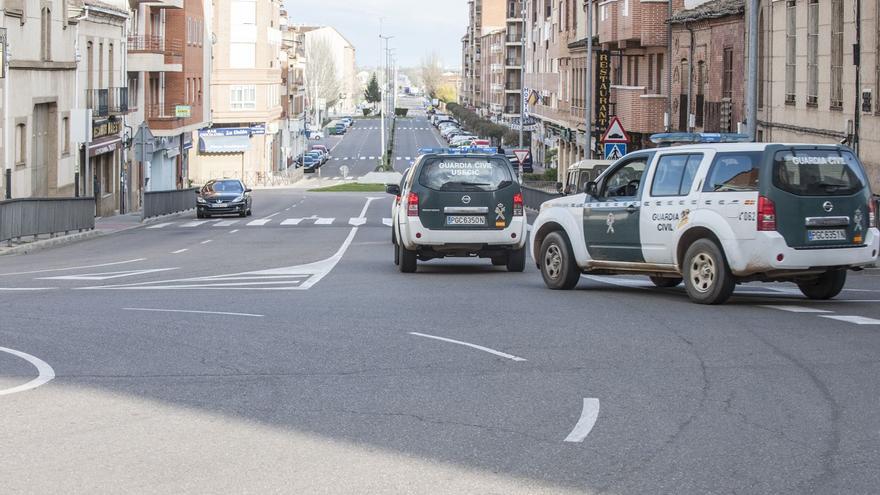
x: 557, y: 263
x: 499, y: 260
x: 707, y: 277
x: 665, y: 283
x: 827, y: 286
x: 516, y: 260
x: 408, y: 260
x: 199, y: 214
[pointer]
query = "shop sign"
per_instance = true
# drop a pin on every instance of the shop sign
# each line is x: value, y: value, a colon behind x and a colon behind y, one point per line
x: 182, y: 111
x: 234, y: 131
x: 603, y: 90
x: 105, y: 127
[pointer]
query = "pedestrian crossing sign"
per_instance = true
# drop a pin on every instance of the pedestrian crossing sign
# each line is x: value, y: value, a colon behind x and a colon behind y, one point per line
x: 614, y: 151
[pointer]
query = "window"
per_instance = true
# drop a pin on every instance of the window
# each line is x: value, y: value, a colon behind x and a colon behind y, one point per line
x: 243, y: 34
x: 46, y: 34
x: 836, y: 54
x: 727, y: 78
x: 65, y: 135
x: 659, y: 84
x: 21, y: 144
x: 813, y: 53
x: 675, y: 175
x: 624, y: 181
x: 625, y: 8
x: 734, y: 172
x: 133, y: 90
x: 650, y: 73
x: 701, y: 93
x: 243, y: 97
x: 790, y: 50
x: 762, y: 43
x: 818, y: 173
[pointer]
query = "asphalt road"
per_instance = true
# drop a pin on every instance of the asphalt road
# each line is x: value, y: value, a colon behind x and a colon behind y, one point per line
x: 327, y: 378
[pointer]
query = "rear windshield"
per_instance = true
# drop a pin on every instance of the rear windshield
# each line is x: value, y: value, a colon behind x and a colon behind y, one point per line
x: 818, y: 172
x: 461, y: 173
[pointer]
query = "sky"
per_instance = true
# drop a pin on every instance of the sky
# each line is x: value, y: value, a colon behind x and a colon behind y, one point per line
x: 419, y: 27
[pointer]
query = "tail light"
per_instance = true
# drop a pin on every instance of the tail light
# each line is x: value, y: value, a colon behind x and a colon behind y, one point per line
x: 412, y: 205
x: 766, y: 214
x: 872, y: 213
x: 517, y: 205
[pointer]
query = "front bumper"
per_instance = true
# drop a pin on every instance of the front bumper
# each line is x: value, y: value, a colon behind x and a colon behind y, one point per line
x: 228, y: 209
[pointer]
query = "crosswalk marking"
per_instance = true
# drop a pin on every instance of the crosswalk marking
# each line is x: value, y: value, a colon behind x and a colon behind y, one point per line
x: 259, y: 223
x: 795, y: 309
x: 226, y: 223
x: 372, y: 158
x: 324, y: 221
x: 858, y: 320
x: 292, y: 221
x: 408, y: 158
x: 160, y: 225
x: 196, y: 223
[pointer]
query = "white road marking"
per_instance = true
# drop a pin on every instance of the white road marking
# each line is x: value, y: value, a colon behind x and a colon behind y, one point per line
x: 193, y: 312
x: 180, y: 251
x: 45, y: 373
x: 70, y: 268
x: 324, y: 221
x: 272, y: 215
x: 408, y: 158
x: 795, y: 309
x: 858, y: 320
x: 386, y: 221
x: 473, y: 346
x: 372, y: 158
x: 25, y: 289
x: 259, y: 223
x: 196, y: 223
x: 589, y: 415
x: 292, y: 221
x: 226, y: 223
x: 160, y: 225
x: 363, y: 158
x: 233, y: 231
x: 208, y: 241
x: 357, y: 221
x: 107, y: 275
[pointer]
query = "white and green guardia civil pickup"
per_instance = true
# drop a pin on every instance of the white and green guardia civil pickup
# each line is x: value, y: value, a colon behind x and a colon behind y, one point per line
x: 463, y: 202
x: 715, y: 213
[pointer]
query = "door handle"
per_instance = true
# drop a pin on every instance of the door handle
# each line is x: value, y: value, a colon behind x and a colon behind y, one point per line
x: 632, y: 209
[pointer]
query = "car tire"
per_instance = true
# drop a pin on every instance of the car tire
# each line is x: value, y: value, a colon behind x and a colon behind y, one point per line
x: 707, y: 277
x: 199, y: 214
x: 243, y: 213
x: 516, y: 260
x: 250, y: 212
x: 557, y: 263
x: 408, y: 260
x: 665, y: 283
x: 827, y: 286
x: 499, y: 261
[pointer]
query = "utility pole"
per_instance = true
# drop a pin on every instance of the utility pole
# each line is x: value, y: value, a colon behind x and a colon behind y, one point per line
x: 384, y: 98
x: 8, y: 154
x: 588, y: 95
x: 857, y: 61
x: 522, y: 75
x: 752, y: 78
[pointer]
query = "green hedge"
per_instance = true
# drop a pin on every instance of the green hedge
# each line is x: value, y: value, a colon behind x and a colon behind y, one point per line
x: 484, y: 128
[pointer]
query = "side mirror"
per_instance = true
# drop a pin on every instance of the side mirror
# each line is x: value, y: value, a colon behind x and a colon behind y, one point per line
x: 392, y: 189
x: 248, y: 190
x: 197, y: 191
x: 592, y: 189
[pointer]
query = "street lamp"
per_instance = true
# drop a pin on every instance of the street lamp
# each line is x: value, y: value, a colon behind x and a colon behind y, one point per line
x: 382, y: 102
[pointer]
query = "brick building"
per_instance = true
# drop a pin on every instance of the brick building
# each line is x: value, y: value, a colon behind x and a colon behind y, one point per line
x: 492, y: 72
x: 513, y: 59
x: 484, y: 16
x: 708, y: 44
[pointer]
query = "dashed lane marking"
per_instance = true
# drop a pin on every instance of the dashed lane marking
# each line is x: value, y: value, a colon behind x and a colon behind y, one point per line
x: 472, y: 346
x: 208, y: 241
x: 386, y: 221
x: 324, y: 221
x: 259, y: 223
x: 179, y: 251
x: 233, y: 231
x: 858, y: 320
x: 45, y: 373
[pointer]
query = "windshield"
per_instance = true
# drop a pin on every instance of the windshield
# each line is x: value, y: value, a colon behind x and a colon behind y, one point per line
x: 818, y: 172
x: 461, y: 173
x: 224, y: 186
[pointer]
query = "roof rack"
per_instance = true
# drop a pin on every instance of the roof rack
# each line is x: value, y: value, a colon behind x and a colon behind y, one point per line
x: 670, y: 138
x: 468, y: 150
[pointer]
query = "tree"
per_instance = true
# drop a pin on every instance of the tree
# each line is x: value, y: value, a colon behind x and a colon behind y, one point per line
x: 372, y: 94
x: 322, y: 81
x: 432, y: 74
x: 447, y: 93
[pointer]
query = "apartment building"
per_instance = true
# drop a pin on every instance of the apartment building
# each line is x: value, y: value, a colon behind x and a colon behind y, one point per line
x: 811, y: 90
x: 484, y: 16
x: 293, y: 93
x: 491, y: 78
x: 326, y: 42
x: 39, y: 157
x: 513, y: 60
x: 245, y: 139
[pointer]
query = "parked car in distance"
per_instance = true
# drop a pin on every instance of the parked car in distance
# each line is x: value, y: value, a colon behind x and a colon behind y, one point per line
x: 223, y: 197
x: 317, y: 156
x: 321, y: 148
x: 309, y: 164
x: 316, y: 135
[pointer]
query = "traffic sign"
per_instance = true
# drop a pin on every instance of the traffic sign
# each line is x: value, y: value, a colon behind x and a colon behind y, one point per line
x: 614, y: 151
x: 522, y: 155
x: 615, y: 132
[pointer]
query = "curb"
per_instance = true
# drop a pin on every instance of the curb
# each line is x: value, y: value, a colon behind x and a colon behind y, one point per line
x: 49, y: 243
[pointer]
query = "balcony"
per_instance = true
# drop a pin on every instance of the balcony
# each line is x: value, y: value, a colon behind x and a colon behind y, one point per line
x: 163, y: 111
x: 513, y: 63
x: 154, y: 54
x: 98, y: 101
x: 513, y: 38
x: 496, y: 68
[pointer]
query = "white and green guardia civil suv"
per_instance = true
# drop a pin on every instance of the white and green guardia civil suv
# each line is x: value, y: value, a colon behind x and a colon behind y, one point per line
x: 462, y: 202
x: 714, y: 214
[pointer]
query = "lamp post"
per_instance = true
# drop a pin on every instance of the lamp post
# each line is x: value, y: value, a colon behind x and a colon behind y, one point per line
x: 588, y: 91
x: 382, y: 101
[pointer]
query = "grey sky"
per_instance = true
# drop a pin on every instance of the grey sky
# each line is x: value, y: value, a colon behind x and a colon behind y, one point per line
x: 418, y: 26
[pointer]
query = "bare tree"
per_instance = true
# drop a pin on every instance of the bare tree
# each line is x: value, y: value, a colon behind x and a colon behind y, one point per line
x: 322, y: 81
x: 432, y: 74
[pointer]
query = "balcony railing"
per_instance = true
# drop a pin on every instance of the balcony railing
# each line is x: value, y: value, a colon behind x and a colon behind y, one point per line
x: 513, y: 62
x: 514, y: 38
x: 98, y: 101
x: 118, y: 100
x: 155, y: 44
x: 511, y: 109
x: 164, y: 111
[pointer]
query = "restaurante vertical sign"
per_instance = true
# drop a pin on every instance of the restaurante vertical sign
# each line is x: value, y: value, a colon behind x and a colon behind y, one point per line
x: 603, y: 90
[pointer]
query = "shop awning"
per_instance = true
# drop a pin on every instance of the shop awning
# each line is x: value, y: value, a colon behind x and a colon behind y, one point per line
x: 224, y: 144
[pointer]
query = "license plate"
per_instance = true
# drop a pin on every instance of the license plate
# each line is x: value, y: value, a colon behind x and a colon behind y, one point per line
x: 826, y: 235
x: 218, y: 205
x: 465, y: 220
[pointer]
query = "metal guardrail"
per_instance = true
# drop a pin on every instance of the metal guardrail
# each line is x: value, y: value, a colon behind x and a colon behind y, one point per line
x: 40, y: 216
x: 158, y: 203
x: 533, y: 197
